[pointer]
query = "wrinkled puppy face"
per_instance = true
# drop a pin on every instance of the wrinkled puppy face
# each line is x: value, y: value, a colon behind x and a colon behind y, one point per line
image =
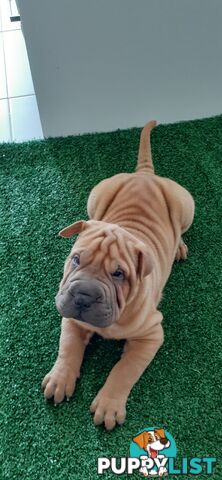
x: 101, y: 273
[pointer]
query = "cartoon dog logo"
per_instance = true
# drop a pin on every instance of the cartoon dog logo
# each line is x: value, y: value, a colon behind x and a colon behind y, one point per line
x: 153, y: 442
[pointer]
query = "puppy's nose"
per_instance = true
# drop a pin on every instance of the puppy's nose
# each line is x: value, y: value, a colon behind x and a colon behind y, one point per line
x: 163, y: 441
x: 86, y: 292
x: 83, y: 300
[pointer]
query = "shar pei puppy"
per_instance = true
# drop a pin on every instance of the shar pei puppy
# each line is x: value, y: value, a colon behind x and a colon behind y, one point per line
x: 114, y: 276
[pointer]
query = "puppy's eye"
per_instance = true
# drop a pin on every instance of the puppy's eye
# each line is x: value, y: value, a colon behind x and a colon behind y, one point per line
x: 75, y: 260
x: 118, y: 274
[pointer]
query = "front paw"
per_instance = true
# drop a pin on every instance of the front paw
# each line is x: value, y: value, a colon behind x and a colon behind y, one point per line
x: 163, y: 471
x: 59, y: 382
x: 108, y: 410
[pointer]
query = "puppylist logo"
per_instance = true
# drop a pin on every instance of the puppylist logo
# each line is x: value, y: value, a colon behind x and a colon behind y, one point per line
x: 153, y: 453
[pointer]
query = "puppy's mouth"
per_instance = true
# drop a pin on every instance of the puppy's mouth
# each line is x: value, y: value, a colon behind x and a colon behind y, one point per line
x: 153, y: 453
x: 86, y: 303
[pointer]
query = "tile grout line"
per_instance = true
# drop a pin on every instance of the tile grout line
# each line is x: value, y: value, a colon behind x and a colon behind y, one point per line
x: 3, y: 30
x: 10, y: 30
x: 18, y: 96
x: 6, y: 81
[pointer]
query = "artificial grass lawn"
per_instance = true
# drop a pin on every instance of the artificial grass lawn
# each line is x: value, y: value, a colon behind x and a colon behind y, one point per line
x: 44, y: 187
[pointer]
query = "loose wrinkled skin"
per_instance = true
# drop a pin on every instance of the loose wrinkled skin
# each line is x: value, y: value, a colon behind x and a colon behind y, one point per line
x: 114, y: 276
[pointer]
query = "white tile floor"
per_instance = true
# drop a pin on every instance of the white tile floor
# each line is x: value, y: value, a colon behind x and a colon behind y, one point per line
x: 19, y: 115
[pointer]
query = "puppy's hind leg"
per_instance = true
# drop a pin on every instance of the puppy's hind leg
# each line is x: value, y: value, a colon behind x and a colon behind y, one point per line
x: 184, y: 207
x: 187, y: 220
x: 182, y: 251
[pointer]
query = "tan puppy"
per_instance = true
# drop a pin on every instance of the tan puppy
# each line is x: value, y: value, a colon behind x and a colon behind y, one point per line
x: 114, y: 276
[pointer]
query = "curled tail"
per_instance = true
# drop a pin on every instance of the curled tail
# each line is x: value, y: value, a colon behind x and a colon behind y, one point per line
x: 144, y: 161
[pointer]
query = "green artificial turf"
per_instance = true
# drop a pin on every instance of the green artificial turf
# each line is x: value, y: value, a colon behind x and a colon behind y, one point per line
x: 44, y: 187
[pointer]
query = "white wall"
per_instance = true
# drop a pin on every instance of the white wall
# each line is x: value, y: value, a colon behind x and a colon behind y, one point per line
x: 99, y: 65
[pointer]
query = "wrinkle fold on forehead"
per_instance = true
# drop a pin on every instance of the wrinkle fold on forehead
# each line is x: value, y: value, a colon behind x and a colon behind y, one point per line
x: 99, y: 258
x: 121, y: 244
x: 113, y: 251
x: 110, y: 247
x: 91, y: 244
x: 107, y: 242
x: 110, y: 265
x: 90, y: 235
x: 86, y: 257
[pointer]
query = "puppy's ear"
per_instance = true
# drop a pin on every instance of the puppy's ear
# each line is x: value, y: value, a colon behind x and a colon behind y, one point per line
x: 145, y: 263
x: 160, y: 432
x: 76, y: 227
x: 141, y: 440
